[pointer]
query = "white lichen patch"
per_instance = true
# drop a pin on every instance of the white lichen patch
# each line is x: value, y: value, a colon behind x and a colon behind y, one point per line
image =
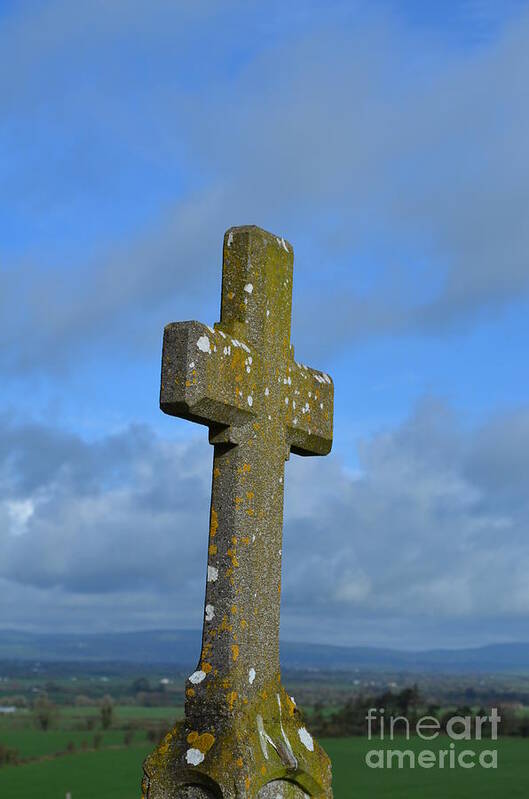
x: 197, y: 677
x: 293, y: 760
x: 192, y: 365
x: 264, y: 738
x: 250, y: 400
x: 248, y: 288
x: 230, y: 238
x: 267, y: 391
x: 306, y: 739
x: 210, y: 612
x: 251, y: 676
x: 204, y: 344
x: 194, y: 757
x: 213, y: 574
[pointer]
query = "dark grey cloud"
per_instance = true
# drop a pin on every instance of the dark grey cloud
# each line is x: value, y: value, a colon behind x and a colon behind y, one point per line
x: 430, y: 532
x: 372, y: 147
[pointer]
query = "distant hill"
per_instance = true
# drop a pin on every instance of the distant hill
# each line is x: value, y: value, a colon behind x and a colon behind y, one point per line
x: 181, y: 648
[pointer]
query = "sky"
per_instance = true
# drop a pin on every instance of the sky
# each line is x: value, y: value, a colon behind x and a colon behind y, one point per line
x: 389, y: 143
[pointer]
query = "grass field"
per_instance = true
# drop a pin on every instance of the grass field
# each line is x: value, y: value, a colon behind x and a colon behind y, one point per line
x: 116, y: 773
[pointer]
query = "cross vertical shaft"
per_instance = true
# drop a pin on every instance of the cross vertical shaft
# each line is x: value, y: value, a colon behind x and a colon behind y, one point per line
x: 240, y: 379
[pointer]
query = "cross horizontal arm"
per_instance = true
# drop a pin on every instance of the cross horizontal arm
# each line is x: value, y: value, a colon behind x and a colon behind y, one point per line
x: 309, y: 400
x: 207, y: 376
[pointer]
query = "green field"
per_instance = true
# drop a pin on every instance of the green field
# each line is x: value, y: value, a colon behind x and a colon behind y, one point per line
x: 116, y: 773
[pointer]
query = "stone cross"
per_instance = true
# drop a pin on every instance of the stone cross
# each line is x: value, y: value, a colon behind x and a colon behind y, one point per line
x: 242, y: 732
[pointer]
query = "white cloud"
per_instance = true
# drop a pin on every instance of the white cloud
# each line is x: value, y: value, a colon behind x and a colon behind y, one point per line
x: 420, y: 534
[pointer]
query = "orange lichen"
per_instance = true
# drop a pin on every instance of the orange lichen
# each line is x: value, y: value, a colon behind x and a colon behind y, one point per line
x: 234, y: 652
x: 206, y: 667
x: 231, y: 698
x: 213, y: 549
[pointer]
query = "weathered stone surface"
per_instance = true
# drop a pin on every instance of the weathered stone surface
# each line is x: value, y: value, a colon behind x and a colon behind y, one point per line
x: 280, y: 789
x: 242, y: 733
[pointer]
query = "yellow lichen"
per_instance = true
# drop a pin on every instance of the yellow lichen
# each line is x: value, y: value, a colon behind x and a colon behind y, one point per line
x: 225, y: 626
x: 290, y: 705
x: 204, y: 742
x: 214, y: 523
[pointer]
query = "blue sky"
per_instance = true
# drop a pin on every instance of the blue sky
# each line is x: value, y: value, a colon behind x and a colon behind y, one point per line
x: 388, y: 142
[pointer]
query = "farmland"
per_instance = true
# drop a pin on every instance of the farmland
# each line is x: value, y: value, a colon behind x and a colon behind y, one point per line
x: 57, y: 741
x: 114, y: 773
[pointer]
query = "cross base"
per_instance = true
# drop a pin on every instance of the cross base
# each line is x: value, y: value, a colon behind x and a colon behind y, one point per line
x: 260, y: 751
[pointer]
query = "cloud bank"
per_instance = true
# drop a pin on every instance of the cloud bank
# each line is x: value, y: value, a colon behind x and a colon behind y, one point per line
x: 431, y: 530
x: 397, y: 165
